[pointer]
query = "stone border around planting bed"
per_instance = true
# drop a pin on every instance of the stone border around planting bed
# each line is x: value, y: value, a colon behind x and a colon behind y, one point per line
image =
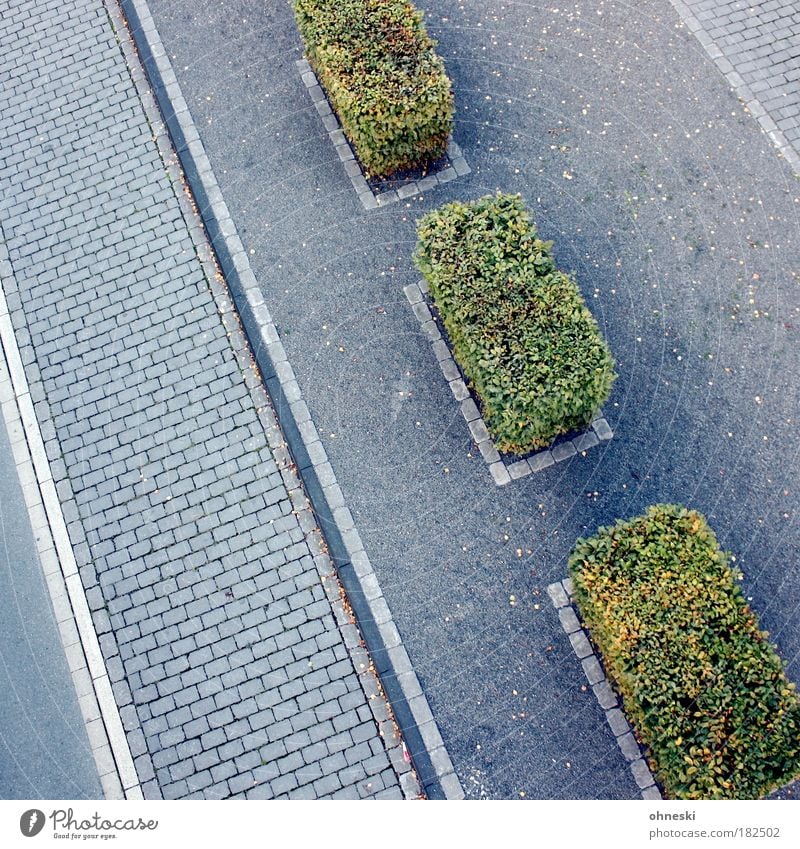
x: 431, y: 760
x: 562, y: 596
x: 456, y: 166
x: 502, y: 472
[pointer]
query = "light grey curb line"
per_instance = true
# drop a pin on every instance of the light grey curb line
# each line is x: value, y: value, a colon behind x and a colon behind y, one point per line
x: 457, y: 165
x: 741, y: 88
x: 501, y: 471
x: 270, y: 341
x: 562, y: 596
x: 98, y: 706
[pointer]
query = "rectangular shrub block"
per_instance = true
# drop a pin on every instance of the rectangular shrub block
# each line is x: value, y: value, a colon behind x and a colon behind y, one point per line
x: 703, y: 687
x: 383, y: 77
x: 519, y: 327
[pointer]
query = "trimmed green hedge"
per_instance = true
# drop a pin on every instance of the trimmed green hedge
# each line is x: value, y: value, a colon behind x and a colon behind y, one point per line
x: 383, y: 78
x: 705, y: 690
x: 519, y: 327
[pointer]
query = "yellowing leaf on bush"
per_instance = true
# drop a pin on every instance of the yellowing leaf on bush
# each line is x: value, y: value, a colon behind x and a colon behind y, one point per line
x: 703, y: 688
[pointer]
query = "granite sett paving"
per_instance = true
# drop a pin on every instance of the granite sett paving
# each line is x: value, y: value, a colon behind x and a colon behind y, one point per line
x: 218, y: 612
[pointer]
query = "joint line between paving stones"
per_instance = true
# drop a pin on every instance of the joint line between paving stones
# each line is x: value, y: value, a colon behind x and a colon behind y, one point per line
x: 106, y: 734
x: 405, y: 695
x: 743, y: 91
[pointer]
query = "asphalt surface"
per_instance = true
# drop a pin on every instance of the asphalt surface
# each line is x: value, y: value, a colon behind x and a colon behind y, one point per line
x: 681, y: 224
x: 44, y: 750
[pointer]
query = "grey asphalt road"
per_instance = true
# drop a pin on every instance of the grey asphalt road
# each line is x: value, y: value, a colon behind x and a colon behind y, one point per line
x: 44, y: 750
x: 681, y: 225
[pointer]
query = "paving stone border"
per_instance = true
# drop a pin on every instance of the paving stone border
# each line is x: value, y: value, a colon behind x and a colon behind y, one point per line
x: 455, y: 163
x: 89, y: 673
x: 741, y: 88
x: 342, y: 544
x: 562, y: 595
x: 502, y: 469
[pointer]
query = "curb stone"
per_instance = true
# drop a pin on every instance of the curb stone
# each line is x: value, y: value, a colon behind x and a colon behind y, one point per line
x: 455, y: 164
x: 343, y: 544
x: 739, y: 86
x: 98, y: 706
x: 563, y: 599
x: 502, y: 469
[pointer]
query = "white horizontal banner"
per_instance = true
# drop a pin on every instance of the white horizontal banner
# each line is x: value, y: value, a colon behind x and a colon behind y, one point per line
x: 238, y: 825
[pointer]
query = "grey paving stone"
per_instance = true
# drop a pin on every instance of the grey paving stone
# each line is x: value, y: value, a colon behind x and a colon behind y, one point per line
x: 518, y: 469
x: 746, y: 45
x: 478, y: 430
x: 408, y: 191
x: 306, y: 792
x: 469, y: 410
x: 541, y: 460
x: 351, y: 167
x: 602, y: 429
x: 569, y: 621
x: 585, y: 441
x: 629, y: 747
x: 557, y: 595
x: 641, y: 774
x: 421, y: 311
x: 459, y: 390
x: 562, y: 451
x: 449, y: 368
x: 413, y: 293
x: 386, y: 198
x: 489, y: 453
x: 617, y: 721
x: 580, y: 644
x: 592, y: 669
x: 605, y: 695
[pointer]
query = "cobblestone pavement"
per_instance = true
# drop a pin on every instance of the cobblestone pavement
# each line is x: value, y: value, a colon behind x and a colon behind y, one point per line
x: 761, y: 40
x: 231, y: 653
x: 680, y: 222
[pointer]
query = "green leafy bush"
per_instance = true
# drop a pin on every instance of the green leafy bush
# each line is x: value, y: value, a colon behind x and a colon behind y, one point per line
x: 519, y: 327
x: 383, y: 78
x: 704, y: 688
